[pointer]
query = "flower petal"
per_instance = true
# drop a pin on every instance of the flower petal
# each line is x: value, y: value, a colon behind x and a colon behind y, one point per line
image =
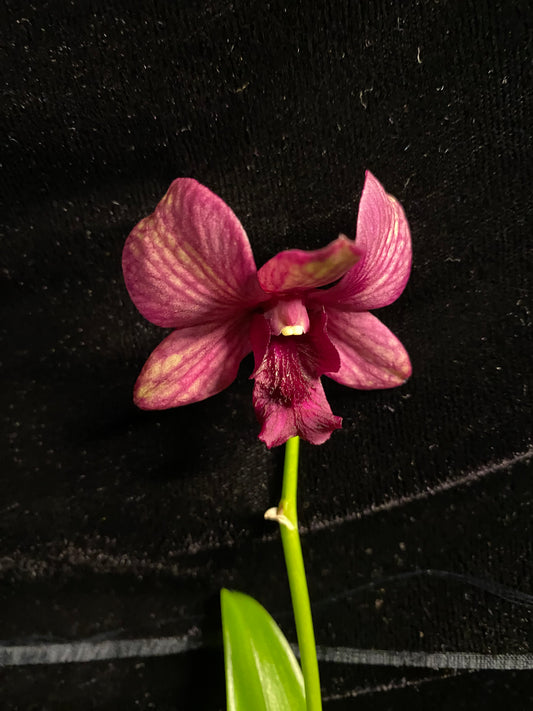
x: 189, y: 262
x: 385, y: 241
x: 297, y: 269
x: 312, y: 420
x: 288, y: 395
x: 371, y: 356
x: 192, y: 364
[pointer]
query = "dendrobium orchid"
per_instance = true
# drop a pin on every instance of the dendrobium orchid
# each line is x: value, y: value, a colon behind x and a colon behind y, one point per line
x: 189, y: 266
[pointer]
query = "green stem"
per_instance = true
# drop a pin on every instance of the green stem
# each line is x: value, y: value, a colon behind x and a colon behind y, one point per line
x: 292, y: 550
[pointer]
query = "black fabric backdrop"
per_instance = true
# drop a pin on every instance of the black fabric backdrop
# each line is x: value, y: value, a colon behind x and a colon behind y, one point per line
x: 122, y: 524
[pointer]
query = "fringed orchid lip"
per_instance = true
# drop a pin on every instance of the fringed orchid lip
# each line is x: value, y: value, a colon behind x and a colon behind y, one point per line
x: 288, y: 394
x: 189, y: 266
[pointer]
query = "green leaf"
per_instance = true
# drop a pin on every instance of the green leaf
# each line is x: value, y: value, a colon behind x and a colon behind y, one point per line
x: 262, y: 673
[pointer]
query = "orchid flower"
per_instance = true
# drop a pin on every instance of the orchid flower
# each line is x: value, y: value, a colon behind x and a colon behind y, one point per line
x: 189, y: 266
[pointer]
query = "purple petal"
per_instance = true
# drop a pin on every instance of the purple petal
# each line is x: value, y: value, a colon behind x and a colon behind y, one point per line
x: 190, y: 262
x: 297, y: 269
x: 371, y: 356
x: 312, y: 420
x: 288, y: 395
x: 385, y: 241
x: 192, y: 364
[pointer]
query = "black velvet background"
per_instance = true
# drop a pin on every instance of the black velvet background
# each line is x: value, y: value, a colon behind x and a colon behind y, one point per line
x: 121, y: 523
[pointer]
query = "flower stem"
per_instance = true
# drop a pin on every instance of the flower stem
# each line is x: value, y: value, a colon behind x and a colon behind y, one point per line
x: 292, y: 550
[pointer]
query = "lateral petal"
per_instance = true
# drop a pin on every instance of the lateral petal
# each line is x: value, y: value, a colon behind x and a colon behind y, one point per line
x: 384, y: 239
x: 190, y: 262
x: 298, y: 269
x: 191, y: 364
x: 371, y: 355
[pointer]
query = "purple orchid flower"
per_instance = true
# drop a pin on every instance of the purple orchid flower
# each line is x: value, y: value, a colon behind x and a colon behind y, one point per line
x: 189, y: 266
